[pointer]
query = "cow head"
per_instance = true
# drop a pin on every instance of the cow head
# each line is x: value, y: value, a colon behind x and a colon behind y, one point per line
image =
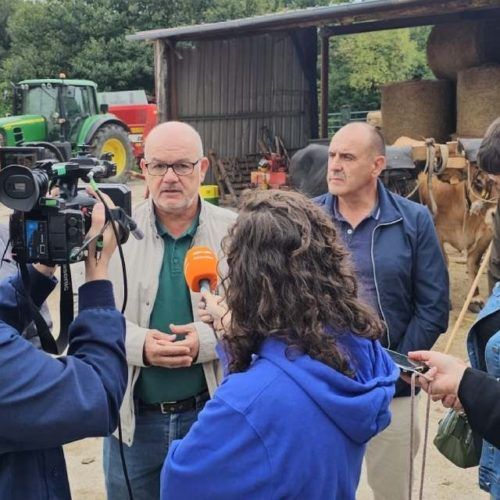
x: 481, y: 185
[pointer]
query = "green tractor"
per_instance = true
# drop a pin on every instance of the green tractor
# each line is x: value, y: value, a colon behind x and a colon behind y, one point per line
x: 63, y: 116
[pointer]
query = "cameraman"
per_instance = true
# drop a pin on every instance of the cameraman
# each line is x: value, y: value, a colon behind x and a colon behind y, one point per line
x: 46, y: 402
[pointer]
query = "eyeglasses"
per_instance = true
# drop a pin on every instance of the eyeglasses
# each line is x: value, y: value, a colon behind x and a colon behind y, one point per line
x: 181, y: 168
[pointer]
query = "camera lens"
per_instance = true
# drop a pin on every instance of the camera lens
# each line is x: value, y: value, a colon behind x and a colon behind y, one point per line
x: 21, y: 188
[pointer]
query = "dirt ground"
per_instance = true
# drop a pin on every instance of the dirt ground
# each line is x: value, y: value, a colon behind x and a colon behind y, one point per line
x: 443, y: 481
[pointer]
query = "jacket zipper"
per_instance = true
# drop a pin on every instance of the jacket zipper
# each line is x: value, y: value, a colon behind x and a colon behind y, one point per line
x: 375, y: 277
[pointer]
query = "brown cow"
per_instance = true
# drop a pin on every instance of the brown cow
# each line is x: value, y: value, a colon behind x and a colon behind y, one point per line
x: 462, y: 220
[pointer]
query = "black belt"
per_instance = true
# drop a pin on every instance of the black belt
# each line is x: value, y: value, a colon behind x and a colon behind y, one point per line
x: 181, y: 406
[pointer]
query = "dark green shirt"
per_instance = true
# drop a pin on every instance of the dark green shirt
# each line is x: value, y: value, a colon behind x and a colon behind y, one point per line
x: 172, y: 305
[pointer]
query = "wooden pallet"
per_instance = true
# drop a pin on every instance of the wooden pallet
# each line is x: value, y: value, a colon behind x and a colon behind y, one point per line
x: 232, y: 176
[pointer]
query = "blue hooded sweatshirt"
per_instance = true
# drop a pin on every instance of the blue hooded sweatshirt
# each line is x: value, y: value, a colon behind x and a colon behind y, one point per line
x: 288, y: 427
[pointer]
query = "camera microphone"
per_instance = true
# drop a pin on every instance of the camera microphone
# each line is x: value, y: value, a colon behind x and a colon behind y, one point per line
x: 99, y: 170
x: 200, y: 269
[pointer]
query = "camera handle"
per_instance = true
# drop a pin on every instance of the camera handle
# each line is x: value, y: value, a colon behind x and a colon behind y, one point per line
x: 126, y: 225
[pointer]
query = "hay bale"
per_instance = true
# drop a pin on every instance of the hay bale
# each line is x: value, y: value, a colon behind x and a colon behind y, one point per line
x: 456, y: 46
x: 374, y: 118
x: 418, y: 109
x: 478, y: 100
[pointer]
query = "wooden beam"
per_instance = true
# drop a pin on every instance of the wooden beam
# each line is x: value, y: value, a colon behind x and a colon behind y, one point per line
x: 160, y: 80
x: 324, y: 86
x: 382, y: 25
x: 305, y: 43
x: 173, y: 108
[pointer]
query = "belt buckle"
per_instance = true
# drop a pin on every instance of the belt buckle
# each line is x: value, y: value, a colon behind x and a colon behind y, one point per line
x: 165, y: 405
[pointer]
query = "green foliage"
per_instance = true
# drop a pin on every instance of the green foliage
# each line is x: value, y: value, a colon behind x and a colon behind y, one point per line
x: 86, y: 39
x: 7, y: 7
x: 361, y: 64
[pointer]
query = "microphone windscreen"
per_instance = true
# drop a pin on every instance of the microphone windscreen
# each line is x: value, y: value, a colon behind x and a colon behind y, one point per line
x: 200, y: 265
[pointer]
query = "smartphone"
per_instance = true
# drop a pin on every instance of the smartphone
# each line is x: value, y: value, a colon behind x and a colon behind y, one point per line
x: 405, y: 363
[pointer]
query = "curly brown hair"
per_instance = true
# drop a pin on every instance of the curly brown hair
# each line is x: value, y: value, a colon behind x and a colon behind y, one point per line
x: 289, y: 278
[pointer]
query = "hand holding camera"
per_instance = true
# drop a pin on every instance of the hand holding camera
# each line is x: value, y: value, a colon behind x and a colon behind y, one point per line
x: 102, y: 242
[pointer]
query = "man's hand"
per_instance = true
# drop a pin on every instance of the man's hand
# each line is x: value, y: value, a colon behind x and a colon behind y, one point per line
x: 160, y: 349
x: 190, y: 340
x: 96, y: 269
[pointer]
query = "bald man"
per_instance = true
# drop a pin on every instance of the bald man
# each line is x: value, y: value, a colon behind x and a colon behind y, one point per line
x: 401, y: 274
x: 173, y: 368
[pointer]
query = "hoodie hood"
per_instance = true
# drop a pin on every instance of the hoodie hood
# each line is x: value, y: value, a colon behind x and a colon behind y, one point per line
x: 358, y: 406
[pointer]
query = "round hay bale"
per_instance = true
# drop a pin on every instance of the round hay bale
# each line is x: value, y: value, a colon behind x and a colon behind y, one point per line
x: 478, y: 100
x: 418, y: 109
x: 456, y: 46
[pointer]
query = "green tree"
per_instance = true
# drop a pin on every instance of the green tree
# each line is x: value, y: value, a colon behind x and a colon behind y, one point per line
x: 7, y: 8
x: 87, y: 39
x: 361, y: 64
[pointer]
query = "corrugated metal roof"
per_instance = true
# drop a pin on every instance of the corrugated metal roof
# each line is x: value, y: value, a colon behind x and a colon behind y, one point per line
x: 376, y: 11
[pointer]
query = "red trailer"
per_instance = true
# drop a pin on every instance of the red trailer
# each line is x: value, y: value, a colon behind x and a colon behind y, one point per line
x: 140, y: 118
x: 133, y: 109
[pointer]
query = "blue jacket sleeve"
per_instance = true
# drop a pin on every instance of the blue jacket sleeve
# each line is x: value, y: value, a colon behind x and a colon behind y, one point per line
x: 430, y: 290
x: 46, y: 401
x: 221, y: 457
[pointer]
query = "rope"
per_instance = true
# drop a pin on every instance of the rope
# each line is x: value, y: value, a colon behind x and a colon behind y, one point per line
x: 429, y: 164
x: 426, y: 435
x: 412, y: 444
x: 445, y: 153
x: 426, y: 438
x: 461, y: 316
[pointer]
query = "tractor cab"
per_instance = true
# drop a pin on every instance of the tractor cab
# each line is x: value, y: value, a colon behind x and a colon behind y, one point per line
x: 64, y: 104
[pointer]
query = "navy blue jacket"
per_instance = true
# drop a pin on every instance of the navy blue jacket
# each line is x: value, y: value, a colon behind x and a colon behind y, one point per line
x: 45, y: 401
x: 288, y: 427
x: 410, y: 274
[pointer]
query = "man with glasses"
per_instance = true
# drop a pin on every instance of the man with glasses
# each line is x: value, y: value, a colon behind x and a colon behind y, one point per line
x: 173, y: 367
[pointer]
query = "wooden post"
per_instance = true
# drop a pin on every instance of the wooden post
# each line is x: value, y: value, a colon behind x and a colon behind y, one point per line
x: 324, y: 86
x: 173, y: 111
x: 218, y: 177
x: 160, y: 80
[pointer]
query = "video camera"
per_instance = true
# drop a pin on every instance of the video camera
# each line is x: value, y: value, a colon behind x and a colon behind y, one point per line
x: 52, y: 230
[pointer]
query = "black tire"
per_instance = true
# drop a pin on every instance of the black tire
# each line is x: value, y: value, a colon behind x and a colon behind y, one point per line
x: 113, y: 138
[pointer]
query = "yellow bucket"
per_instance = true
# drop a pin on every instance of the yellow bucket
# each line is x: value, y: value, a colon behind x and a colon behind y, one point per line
x: 210, y: 193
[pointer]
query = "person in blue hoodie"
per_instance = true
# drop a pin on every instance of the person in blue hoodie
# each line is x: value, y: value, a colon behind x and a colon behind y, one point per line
x: 307, y: 383
x: 46, y: 402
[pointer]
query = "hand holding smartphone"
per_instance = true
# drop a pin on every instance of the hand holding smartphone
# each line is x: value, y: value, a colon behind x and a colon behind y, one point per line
x: 405, y: 364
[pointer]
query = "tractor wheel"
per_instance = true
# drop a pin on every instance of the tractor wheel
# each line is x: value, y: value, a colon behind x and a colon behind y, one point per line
x: 114, y: 139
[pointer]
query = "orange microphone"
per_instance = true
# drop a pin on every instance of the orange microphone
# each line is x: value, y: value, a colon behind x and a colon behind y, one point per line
x: 200, y: 269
